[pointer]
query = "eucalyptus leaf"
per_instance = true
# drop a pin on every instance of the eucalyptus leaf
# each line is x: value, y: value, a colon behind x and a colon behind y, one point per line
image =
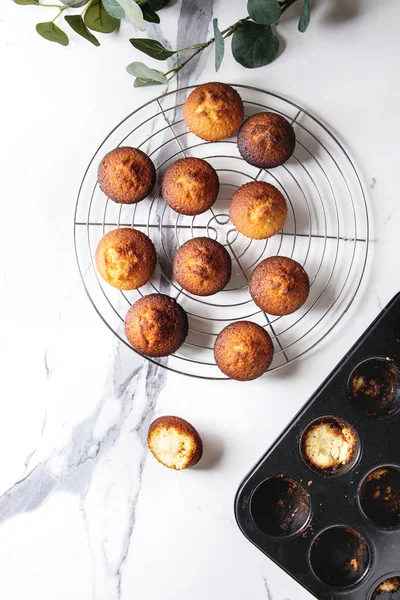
x: 50, y: 31
x: 152, y: 48
x: 77, y: 24
x: 133, y: 12
x: 305, y: 16
x: 149, y: 14
x: 97, y: 18
x: 25, y: 2
x: 254, y: 45
x: 219, y: 45
x: 265, y: 12
x: 140, y: 70
x: 75, y: 3
x: 157, y: 4
x: 113, y: 8
x: 140, y: 82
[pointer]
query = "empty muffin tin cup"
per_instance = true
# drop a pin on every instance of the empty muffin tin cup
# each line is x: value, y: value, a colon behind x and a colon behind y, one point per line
x: 280, y: 506
x: 387, y: 589
x: 374, y: 387
x: 379, y: 496
x: 340, y: 557
x: 329, y: 446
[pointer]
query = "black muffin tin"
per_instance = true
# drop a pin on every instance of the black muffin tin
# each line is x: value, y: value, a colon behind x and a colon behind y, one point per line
x: 271, y: 504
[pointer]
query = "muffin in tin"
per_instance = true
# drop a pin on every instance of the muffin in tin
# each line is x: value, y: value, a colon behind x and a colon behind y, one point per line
x: 329, y: 445
x: 279, y: 285
x: 126, y: 258
x: 266, y: 140
x: 126, y: 175
x: 156, y: 325
x: 202, y: 266
x: 190, y: 186
x: 243, y: 350
x: 214, y: 111
x: 258, y: 210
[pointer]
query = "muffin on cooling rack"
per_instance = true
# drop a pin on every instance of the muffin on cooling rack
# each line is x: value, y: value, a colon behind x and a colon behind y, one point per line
x: 214, y: 111
x: 258, y: 210
x: 190, y: 186
x: 266, y: 140
x: 202, y: 266
x: 279, y: 285
x: 156, y: 325
x: 243, y: 350
x: 126, y: 175
x: 174, y: 442
x: 126, y: 258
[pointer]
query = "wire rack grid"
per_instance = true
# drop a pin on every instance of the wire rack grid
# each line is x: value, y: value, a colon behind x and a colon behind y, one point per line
x: 326, y: 230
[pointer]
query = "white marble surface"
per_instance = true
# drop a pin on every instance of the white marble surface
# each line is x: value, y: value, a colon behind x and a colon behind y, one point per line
x: 85, y: 512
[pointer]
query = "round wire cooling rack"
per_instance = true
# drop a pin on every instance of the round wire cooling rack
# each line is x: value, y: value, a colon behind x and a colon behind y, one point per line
x: 326, y: 229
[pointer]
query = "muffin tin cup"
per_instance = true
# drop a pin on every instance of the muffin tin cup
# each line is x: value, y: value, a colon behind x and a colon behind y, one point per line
x: 391, y: 581
x: 380, y: 501
x: 343, y: 558
x: 334, y: 498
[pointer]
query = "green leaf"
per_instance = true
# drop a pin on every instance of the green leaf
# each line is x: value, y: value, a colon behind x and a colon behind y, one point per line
x: 149, y: 14
x: 219, y: 45
x: 157, y: 4
x: 140, y: 82
x: 75, y: 3
x: 254, y: 45
x: 98, y: 19
x: 25, y: 2
x: 51, y: 32
x: 140, y: 70
x: 152, y: 48
x: 77, y: 24
x: 265, y: 12
x: 113, y: 8
x: 305, y: 16
x: 133, y: 12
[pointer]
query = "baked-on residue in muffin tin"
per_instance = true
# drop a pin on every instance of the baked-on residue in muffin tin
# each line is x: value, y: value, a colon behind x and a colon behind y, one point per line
x: 324, y: 501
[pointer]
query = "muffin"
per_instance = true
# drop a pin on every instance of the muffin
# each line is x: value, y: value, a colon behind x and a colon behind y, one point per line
x: 174, y: 442
x: 329, y: 444
x: 156, y: 325
x: 202, y: 266
x: 279, y: 285
x: 213, y: 111
x: 266, y: 140
x: 258, y: 210
x: 190, y: 186
x: 243, y: 350
x: 126, y: 175
x: 126, y: 258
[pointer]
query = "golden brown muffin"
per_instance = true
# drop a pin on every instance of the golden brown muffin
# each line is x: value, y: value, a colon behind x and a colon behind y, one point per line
x: 266, y: 140
x: 202, y: 266
x: 258, y: 210
x: 279, y: 285
x: 156, y: 325
x: 174, y: 442
x: 190, y: 186
x: 243, y: 350
x: 214, y: 111
x: 126, y: 258
x: 329, y: 444
x: 126, y: 175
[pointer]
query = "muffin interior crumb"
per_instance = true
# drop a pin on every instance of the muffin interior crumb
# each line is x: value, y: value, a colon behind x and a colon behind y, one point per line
x: 174, y: 447
x: 327, y: 445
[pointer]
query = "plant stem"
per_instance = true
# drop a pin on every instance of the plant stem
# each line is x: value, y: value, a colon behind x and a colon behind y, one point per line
x: 286, y: 4
x: 229, y: 31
